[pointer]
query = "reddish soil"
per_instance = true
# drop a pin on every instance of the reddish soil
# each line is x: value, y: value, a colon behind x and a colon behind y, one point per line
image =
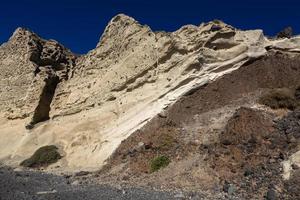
x: 250, y: 152
x: 250, y: 146
x: 274, y: 71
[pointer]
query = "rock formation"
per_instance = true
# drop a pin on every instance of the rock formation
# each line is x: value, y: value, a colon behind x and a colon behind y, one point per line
x: 286, y: 33
x: 86, y: 105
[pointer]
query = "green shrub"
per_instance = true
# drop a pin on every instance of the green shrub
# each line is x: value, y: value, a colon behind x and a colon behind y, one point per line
x: 44, y: 156
x: 159, y: 162
x: 279, y: 98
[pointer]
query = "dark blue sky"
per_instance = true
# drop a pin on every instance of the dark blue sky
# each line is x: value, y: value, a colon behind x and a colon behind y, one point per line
x: 78, y: 24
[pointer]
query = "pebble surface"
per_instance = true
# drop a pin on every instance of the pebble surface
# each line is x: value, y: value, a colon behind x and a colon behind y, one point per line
x: 28, y: 185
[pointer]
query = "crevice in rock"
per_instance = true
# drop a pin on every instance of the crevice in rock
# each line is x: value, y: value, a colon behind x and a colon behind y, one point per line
x: 41, y: 112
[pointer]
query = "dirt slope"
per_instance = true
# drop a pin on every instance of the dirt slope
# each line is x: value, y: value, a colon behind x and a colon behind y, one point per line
x: 219, y: 136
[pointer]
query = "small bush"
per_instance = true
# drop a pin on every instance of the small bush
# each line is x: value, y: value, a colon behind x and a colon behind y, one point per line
x: 44, y: 156
x: 159, y: 162
x: 279, y: 98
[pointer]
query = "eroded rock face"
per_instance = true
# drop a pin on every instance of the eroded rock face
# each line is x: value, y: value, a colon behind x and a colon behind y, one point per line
x: 46, y: 63
x: 16, y: 74
x: 53, y: 63
x: 97, y: 100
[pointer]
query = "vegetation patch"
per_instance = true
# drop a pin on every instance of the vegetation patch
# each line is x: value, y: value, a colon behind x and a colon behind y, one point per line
x: 159, y: 162
x: 166, y: 142
x: 44, y: 156
x: 280, y: 98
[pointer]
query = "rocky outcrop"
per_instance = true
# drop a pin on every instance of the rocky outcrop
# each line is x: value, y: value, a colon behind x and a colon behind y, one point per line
x: 99, y: 99
x: 285, y: 33
x: 44, y: 63
x: 53, y: 64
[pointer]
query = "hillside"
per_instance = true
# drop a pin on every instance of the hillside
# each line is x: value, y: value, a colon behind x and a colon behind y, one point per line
x: 193, y: 96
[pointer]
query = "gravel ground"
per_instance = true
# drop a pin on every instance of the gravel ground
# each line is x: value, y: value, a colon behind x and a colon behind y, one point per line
x: 39, y: 186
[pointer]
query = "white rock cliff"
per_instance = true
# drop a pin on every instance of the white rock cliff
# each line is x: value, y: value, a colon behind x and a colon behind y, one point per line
x: 87, y: 105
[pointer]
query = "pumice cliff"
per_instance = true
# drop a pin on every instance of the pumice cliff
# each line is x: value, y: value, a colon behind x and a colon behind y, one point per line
x: 87, y: 105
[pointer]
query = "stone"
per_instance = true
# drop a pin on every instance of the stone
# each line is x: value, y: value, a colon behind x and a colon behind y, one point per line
x: 46, y: 192
x: 248, y: 172
x: 29, y: 126
x: 226, y: 142
x: 229, y: 188
x: 76, y: 182
x: 148, y: 145
x: 285, y: 33
x: 297, y: 93
x: 141, y: 144
x: 271, y: 195
x: 18, y: 169
x: 81, y: 173
x: 295, y: 167
x: 162, y: 115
